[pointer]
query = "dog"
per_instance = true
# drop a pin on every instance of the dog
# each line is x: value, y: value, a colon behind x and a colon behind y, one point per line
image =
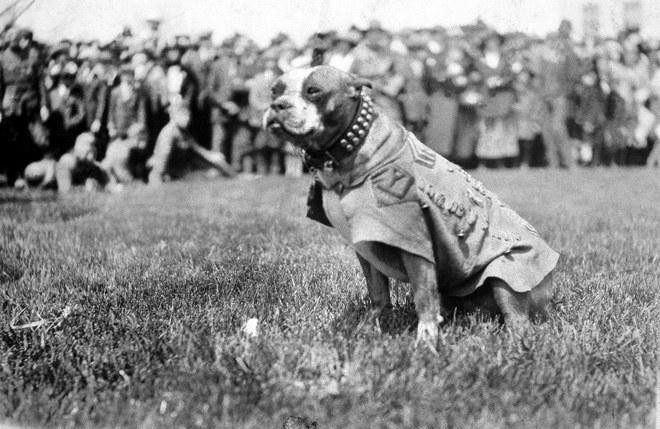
x: 409, y: 213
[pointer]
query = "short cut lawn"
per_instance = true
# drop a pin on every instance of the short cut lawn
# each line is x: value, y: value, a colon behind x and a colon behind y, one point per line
x: 126, y: 310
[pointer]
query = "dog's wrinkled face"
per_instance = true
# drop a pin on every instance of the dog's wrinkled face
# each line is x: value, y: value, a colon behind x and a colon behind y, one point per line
x: 311, y: 106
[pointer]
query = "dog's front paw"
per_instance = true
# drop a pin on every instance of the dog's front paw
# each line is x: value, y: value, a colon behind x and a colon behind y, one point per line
x: 428, y: 331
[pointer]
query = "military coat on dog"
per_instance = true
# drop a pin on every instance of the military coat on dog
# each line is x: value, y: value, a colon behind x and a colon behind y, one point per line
x: 409, y: 197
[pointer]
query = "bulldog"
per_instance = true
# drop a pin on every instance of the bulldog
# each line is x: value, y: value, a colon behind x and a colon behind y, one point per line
x: 409, y: 213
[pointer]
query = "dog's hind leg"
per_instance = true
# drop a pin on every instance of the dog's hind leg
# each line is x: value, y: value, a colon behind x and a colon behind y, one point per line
x: 379, y: 288
x: 540, y: 297
x: 422, y: 276
x: 515, y: 306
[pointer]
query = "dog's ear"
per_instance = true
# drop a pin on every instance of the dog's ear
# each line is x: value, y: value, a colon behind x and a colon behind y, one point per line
x: 355, y: 86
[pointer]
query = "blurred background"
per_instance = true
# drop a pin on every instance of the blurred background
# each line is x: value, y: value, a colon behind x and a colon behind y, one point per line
x: 116, y: 92
x: 261, y: 20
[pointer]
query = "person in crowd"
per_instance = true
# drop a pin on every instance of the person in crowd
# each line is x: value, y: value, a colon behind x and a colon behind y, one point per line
x: 92, y: 77
x: 498, y: 140
x: 412, y: 98
x: 176, y: 150
x: 267, y: 149
x: 79, y: 167
x: 445, y: 76
x: 377, y: 63
x: 462, y: 89
x: 590, y: 115
x: 558, y: 71
x: 341, y: 53
x: 242, y: 132
x: 126, y: 106
x: 529, y: 115
x: 24, y: 106
x: 152, y: 82
x: 67, y: 118
x: 620, y: 111
x: 125, y: 157
x: 182, y: 85
x: 213, y: 73
x: 41, y: 174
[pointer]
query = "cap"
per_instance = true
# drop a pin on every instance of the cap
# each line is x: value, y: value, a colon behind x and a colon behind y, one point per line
x: 70, y: 69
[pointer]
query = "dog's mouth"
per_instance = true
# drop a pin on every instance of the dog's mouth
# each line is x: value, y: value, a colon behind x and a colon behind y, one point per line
x: 280, y: 128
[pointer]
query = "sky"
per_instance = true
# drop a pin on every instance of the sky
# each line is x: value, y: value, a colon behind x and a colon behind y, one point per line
x: 262, y: 19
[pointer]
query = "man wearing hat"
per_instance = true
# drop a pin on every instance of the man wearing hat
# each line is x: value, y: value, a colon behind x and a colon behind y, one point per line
x: 23, y: 108
x: 559, y: 72
x: 214, y: 77
x: 176, y: 149
x: 375, y: 61
x: 67, y: 119
x: 126, y: 106
x: 341, y: 54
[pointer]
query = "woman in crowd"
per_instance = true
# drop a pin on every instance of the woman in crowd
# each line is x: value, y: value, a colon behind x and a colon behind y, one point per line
x: 498, y: 140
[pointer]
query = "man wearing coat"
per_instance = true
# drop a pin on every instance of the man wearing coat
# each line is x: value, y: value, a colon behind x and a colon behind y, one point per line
x: 23, y: 106
x: 558, y: 73
x: 214, y: 77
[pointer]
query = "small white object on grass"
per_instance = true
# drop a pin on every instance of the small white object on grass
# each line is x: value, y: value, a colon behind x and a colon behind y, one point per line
x: 251, y: 327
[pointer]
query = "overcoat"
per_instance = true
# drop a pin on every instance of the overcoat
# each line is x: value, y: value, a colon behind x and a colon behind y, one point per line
x: 407, y: 196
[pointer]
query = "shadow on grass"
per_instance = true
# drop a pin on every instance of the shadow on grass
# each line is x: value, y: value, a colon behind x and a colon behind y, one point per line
x: 19, y: 197
x: 394, y: 320
x: 42, y: 208
x: 9, y: 272
x: 402, y: 318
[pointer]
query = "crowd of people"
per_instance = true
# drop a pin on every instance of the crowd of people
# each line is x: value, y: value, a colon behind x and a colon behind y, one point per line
x: 103, y: 115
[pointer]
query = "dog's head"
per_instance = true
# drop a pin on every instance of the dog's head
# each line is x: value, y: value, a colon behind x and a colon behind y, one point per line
x: 312, y: 106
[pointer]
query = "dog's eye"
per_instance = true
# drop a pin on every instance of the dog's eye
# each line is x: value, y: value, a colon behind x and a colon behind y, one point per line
x: 312, y: 90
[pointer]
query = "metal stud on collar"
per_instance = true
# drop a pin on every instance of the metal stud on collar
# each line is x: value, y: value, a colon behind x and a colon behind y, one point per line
x: 360, y: 127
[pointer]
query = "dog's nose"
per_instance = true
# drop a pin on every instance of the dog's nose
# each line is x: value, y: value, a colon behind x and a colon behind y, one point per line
x: 281, y: 104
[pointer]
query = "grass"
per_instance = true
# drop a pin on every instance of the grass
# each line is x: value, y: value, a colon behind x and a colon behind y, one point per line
x: 126, y: 311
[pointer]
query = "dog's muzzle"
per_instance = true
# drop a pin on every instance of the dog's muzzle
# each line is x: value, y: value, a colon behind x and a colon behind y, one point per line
x: 269, y: 121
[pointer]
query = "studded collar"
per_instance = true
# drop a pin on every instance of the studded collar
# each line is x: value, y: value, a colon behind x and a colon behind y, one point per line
x: 348, y: 142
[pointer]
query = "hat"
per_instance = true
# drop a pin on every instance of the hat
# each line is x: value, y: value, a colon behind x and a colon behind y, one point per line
x: 279, y: 38
x: 61, y: 48
x: 182, y: 40
x: 127, y: 69
x: 70, y: 69
x: 205, y: 36
x: 24, y: 33
x: 352, y: 36
x: 492, y: 35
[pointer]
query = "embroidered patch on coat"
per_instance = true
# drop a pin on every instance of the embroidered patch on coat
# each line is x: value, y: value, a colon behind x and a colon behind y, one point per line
x: 423, y: 155
x: 391, y: 185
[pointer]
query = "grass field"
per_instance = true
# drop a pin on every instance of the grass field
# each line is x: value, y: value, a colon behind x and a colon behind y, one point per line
x: 126, y: 311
